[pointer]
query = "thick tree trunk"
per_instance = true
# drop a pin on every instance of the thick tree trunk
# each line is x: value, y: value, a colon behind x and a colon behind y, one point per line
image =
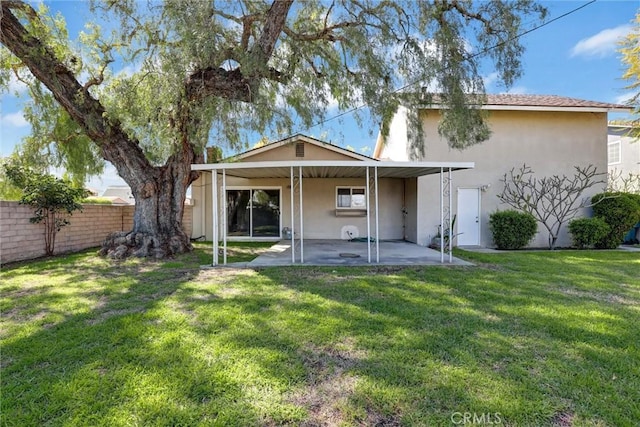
x: 157, y: 221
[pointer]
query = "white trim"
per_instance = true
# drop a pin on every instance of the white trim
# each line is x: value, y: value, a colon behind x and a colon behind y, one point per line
x: 368, y: 220
x: 609, y: 144
x: 375, y: 171
x: 479, y: 207
x: 251, y: 188
x: 331, y: 163
x: 301, y: 219
x: 224, y: 216
x: 293, y: 221
x: 214, y: 208
x: 351, y: 188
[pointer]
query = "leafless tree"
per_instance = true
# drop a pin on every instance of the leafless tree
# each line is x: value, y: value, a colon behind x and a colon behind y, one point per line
x: 618, y: 182
x: 552, y: 200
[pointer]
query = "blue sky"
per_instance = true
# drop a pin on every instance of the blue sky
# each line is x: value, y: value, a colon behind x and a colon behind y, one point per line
x: 575, y: 56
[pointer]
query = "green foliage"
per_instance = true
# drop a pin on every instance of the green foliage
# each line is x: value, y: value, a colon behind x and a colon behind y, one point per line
x: 328, y: 53
x: 96, y: 201
x: 621, y: 211
x: 8, y: 191
x: 512, y: 229
x: 587, y: 232
x: 51, y: 198
x: 630, y: 50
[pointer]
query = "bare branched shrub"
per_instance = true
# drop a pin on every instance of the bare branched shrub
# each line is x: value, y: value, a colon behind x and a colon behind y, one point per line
x: 552, y: 200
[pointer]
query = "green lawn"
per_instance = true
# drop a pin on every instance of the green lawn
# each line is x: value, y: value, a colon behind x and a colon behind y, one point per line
x: 526, y: 339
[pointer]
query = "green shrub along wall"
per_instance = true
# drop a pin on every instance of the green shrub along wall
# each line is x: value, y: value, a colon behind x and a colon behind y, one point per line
x: 512, y: 229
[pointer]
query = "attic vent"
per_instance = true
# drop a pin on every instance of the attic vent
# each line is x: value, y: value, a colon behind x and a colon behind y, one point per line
x: 300, y: 149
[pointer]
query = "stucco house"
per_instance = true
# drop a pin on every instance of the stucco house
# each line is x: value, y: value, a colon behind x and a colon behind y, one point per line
x: 623, y: 153
x: 551, y: 134
x: 302, y: 188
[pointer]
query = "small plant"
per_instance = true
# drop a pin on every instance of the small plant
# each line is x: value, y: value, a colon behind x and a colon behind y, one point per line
x: 512, y: 229
x: 587, y: 232
x: 51, y: 198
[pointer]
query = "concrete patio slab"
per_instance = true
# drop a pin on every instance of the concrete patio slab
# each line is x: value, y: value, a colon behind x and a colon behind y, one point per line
x: 343, y: 252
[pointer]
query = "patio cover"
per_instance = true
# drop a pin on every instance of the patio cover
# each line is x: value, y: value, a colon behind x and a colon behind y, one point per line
x: 296, y: 171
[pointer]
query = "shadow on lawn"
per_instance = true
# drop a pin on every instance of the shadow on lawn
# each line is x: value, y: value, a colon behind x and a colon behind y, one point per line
x: 165, y: 344
x: 121, y: 361
x: 439, y: 341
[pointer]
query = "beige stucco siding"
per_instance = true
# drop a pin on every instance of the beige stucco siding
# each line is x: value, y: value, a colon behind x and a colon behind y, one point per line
x: 549, y: 142
x: 288, y: 152
x: 319, y: 206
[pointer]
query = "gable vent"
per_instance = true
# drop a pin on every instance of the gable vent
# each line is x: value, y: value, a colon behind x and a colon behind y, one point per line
x: 300, y: 149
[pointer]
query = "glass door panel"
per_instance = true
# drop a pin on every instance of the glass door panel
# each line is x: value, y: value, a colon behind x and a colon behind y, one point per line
x: 265, y: 213
x: 238, y: 213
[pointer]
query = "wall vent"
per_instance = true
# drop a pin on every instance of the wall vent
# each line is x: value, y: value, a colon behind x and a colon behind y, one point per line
x: 300, y: 149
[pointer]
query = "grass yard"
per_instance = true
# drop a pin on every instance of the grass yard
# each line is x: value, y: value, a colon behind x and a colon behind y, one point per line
x: 523, y: 339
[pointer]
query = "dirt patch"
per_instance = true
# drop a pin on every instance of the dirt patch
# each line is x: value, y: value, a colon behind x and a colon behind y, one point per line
x: 329, y: 383
x: 599, y: 296
x: 105, y: 315
x: 562, y: 419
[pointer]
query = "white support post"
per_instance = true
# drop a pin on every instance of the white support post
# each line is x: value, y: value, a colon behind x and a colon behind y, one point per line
x: 224, y: 215
x: 301, y: 218
x: 375, y: 170
x: 368, y: 221
x: 214, y: 208
x: 441, y: 217
x: 450, y: 223
x: 293, y: 234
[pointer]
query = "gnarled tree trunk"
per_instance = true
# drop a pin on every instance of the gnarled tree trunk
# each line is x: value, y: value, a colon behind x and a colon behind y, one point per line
x: 157, y: 221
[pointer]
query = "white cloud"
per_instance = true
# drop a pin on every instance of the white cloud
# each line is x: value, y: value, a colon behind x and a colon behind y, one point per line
x: 624, y: 98
x: 365, y: 149
x: 517, y: 90
x: 602, y: 44
x: 13, y: 119
x: 490, y: 79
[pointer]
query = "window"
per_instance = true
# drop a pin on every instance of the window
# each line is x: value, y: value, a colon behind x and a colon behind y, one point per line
x: 614, y: 154
x: 351, y: 198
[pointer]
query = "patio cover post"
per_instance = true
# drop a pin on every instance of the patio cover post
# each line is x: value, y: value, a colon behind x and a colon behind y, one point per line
x: 224, y: 216
x: 441, y: 216
x: 368, y: 221
x: 301, y: 218
x: 214, y: 209
x: 293, y: 242
x: 450, y: 223
x: 375, y: 170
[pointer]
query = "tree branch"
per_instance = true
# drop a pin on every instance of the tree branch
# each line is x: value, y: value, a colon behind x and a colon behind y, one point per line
x: 88, y: 112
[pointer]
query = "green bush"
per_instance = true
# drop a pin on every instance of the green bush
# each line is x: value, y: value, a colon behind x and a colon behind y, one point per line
x: 512, y: 229
x: 587, y: 232
x: 621, y: 211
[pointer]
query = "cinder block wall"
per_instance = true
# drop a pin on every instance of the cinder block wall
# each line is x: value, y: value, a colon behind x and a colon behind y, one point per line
x: 22, y: 240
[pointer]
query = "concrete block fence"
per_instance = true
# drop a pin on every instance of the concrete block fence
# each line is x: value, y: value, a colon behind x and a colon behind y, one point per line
x: 21, y: 240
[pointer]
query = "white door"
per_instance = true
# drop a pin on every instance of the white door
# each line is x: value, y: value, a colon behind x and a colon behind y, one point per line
x: 468, y: 219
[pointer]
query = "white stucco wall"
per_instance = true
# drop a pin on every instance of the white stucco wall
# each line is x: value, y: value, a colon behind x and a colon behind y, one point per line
x: 549, y: 142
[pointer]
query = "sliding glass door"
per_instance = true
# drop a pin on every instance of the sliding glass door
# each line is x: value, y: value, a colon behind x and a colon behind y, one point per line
x: 253, y: 213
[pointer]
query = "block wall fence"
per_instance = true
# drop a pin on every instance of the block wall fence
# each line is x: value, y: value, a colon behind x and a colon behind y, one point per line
x: 21, y: 240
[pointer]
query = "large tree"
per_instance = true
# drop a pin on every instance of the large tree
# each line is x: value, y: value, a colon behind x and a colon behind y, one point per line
x: 630, y: 50
x: 199, y: 71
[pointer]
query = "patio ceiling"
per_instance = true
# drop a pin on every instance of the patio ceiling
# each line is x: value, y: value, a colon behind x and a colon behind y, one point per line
x: 332, y: 169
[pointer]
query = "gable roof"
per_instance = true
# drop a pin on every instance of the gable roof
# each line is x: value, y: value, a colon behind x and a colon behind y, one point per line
x: 509, y: 101
x: 301, y: 138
